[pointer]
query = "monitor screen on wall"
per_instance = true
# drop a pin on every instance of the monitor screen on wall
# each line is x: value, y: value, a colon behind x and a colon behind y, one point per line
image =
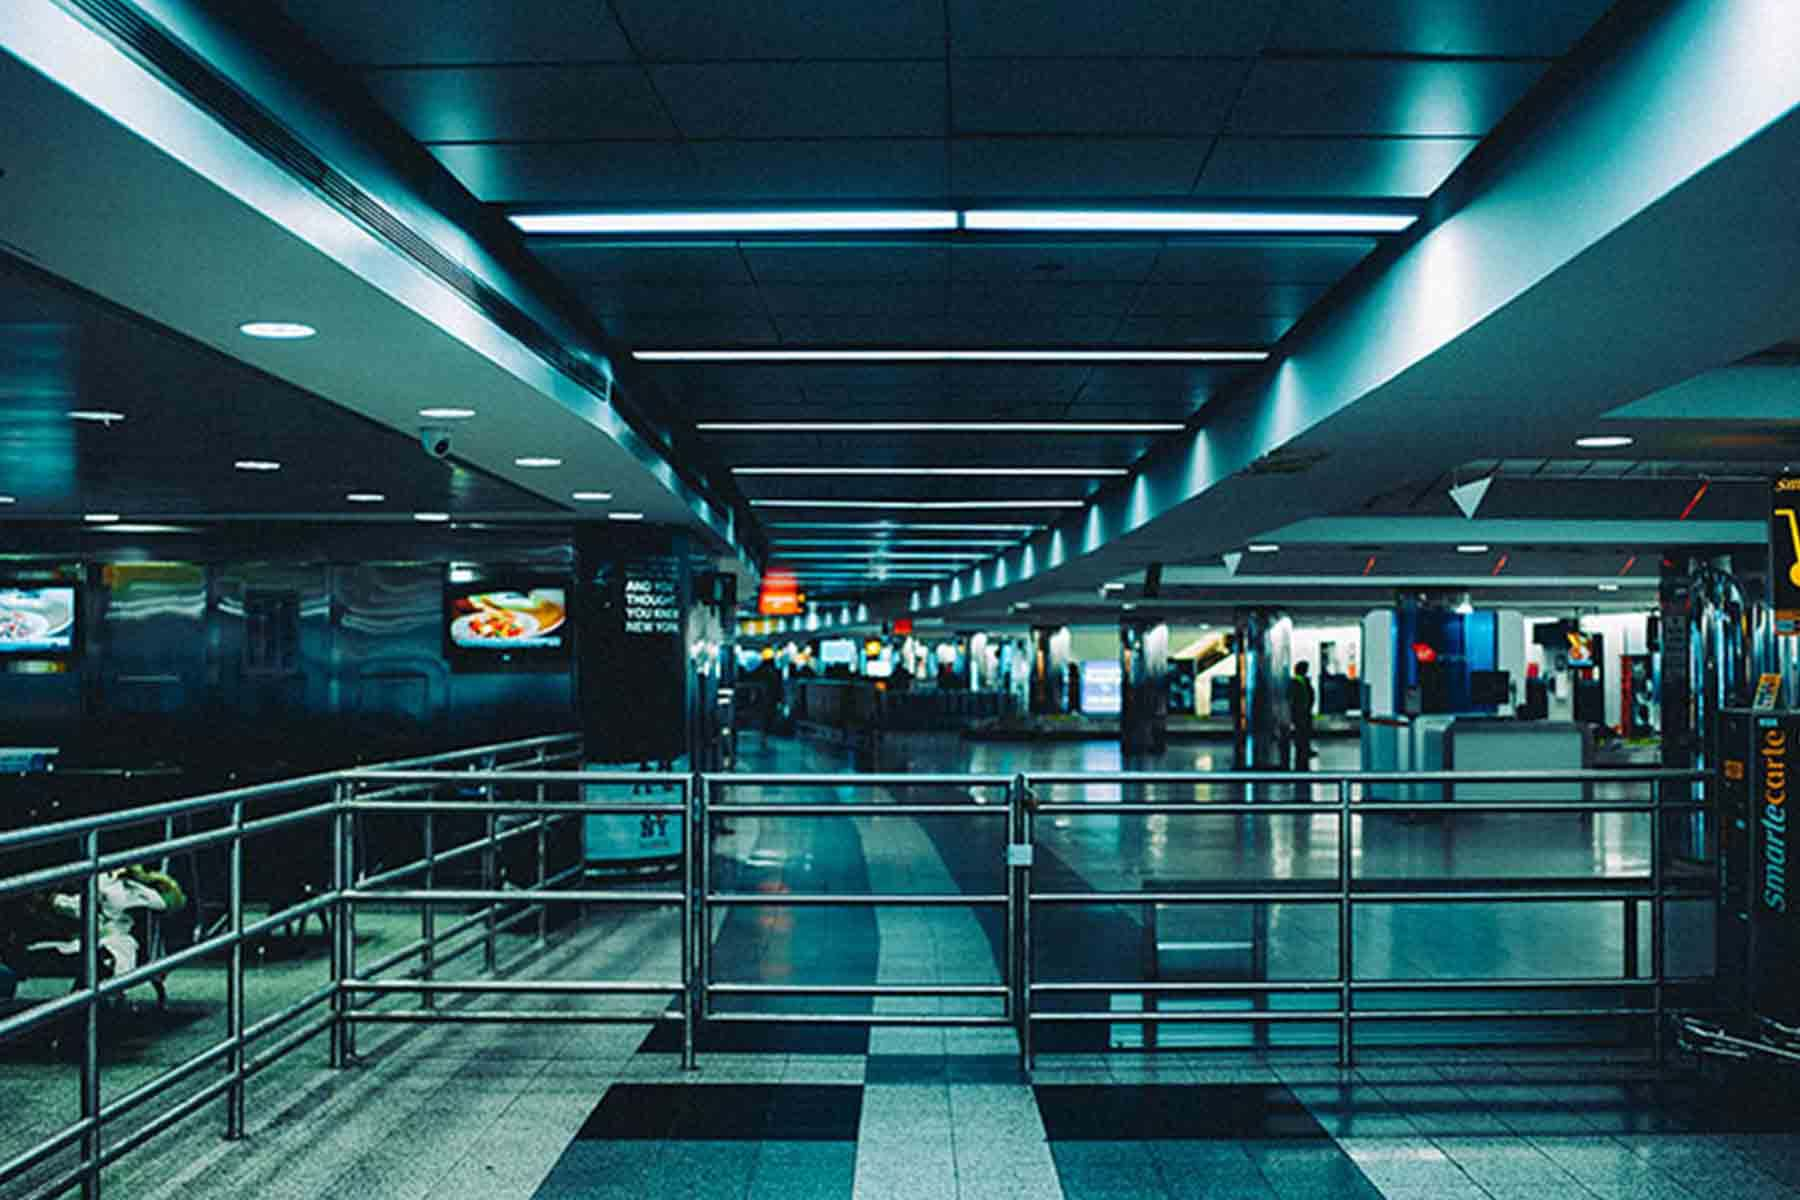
x: 502, y: 622
x: 37, y: 620
x: 1101, y: 679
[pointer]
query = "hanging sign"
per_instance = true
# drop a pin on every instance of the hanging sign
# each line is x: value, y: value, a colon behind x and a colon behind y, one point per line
x: 1784, y: 555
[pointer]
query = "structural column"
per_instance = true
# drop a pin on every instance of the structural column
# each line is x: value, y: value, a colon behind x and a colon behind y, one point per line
x: 1264, y: 638
x: 1049, y: 646
x: 1143, y: 685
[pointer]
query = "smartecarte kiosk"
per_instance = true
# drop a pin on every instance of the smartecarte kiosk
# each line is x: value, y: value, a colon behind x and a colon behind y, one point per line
x: 1759, y: 938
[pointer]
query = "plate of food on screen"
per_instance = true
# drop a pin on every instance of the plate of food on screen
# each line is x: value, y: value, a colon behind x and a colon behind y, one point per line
x: 508, y: 618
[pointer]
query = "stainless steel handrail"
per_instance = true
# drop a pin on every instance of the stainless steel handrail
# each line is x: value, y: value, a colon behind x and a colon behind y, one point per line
x: 414, y: 788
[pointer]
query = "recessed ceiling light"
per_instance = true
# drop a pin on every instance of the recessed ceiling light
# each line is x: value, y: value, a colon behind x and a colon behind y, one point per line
x: 940, y: 427
x: 593, y: 497
x: 9, y: 499
x: 1607, y: 587
x: 935, y: 505
x: 996, y: 472
x: 365, y: 497
x: 1195, y: 221
x: 764, y: 221
x: 447, y: 414
x: 130, y: 527
x: 625, y: 516
x: 1112, y: 587
x: 948, y: 355
x: 1262, y: 547
x: 104, y: 416
x: 100, y: 518
x: 537, y: 460
x: 257, y: 464
x: 431, y: 516
x: 885, y: 555
x: 1605, y: 442
x: 907, y: 526
x: 279, y: 331
x: 1472, y: 548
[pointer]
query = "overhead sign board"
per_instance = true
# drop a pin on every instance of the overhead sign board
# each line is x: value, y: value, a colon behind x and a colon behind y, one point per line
x: 1784, y: 554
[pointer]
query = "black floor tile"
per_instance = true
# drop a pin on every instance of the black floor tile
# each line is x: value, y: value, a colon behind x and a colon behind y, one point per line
x: 1084, y: 1112
x: 760, y: 1039
x: 946, y: 1068
x: 726, y: 1112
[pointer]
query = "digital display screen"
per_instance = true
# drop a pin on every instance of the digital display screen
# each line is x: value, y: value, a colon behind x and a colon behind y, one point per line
x: 497, y: 622
x: 37, y: 620
x: 838, y: 650
x: 1100, y: 687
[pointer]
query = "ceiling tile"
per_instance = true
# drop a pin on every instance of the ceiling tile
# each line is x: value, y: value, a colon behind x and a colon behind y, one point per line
x: 1093, y: 96
x: 1018, y: 328
x: 693, y: 329
x: 1391, y: 96
x: 784, y: 29
x: 447, y: 104
x: 1413, y: 168
x: 833, y: 171
x: 660, y: 299
x: 880, y: 329
x: 356, y: 33
x: 854, y: 299
x: 1205, y: 299
x: 1068, y: 167
x: 1216, y: 329
x: 590, y: 265
x: 804, y: 99
x: 1053, y: 262
x: 1496, y: 27
x: 1296, y: 260
x: 849, y: 262
x: 1194, y: 28
x: 585, y: 173
x: 1072, y: 299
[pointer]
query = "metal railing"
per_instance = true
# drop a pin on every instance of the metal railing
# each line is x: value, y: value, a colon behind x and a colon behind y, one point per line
x: 235, y: 809
x: 349, y: 800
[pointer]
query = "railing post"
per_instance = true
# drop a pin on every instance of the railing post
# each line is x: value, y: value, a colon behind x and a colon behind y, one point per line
x: 234, y: 983
x: 428, y: 913
x: 1346, y: 924
x: 90, y: 1024
x: 1027, y: 1052
x: 703, y: 917
x: 490, y: 878
x: 692, y: 844
x: 1656, y: 922
x: 543, y: 858
x: 340, y: 922
x: 1016, y: 1000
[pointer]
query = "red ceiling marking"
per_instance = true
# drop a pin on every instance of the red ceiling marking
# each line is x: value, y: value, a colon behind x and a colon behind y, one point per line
x: 1499, y: 566
x: 1370, y: 565
x: 1629, y: 563
x: 1696, y: 500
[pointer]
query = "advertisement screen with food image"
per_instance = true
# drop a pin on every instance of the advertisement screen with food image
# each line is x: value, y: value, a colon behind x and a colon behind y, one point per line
x: 499, y: 622
x: 37, y: 620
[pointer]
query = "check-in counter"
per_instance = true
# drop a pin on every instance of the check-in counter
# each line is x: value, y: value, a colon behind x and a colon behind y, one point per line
x: 1480, y: 744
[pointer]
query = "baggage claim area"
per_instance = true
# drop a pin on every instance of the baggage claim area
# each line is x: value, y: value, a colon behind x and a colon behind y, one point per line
x: 951, y: 599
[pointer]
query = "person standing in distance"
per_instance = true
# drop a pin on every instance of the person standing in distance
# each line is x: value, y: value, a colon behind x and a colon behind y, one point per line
x: 1300, y: 718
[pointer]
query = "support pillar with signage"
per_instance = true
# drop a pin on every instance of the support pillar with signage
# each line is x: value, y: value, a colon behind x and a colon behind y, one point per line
x: 634, y: 602
x: 1143, y: 686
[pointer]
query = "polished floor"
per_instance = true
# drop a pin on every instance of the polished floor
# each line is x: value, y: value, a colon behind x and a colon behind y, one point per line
x: 1499, y: 1110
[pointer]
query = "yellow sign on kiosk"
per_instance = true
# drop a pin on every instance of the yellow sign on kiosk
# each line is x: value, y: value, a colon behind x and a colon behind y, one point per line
x: 1784, y: 555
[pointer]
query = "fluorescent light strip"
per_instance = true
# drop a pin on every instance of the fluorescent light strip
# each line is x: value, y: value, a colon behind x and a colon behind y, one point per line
x: 813, y: 221
x: 996, y: 472
x: 864, y: 541
x: 1203, y: 221
x: 907, y: 526
x: 946, y: 355
x: 940, y: 427
x: 883, y: 556
x: 929, y: 505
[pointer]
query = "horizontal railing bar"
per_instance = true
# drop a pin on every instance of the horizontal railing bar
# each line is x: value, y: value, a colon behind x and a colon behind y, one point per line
x: 915, y: 1019
x: 857, y: 989
x: 544, y: 987
x: 126, y: 818
x: 282, y: 820
x: 1082, y: 987
x: 787, y: 899
x: 162, y: 1083
x: 1357, y: 808
x: 521, y: 896
x: 287, y: 916
x: 530, y: 807
x: 276, y: 1020
x: 872, y: 779
x: 60, y: 1140
x: 1588, y: 775
x: 1329, y: 1015
x: 286, y: 1046
x: 1499, y: 985
x: 168, y: 962
x: 425, y: 1016
x: 184, y: 1109
x: 1511, y: 1014
x: 858, y: 810
x: 1332, y: 894
x: 44, y: 878
x: 675, y: 780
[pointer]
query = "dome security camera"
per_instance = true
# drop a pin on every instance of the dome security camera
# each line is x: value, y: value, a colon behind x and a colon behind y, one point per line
x: 435, y: 441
